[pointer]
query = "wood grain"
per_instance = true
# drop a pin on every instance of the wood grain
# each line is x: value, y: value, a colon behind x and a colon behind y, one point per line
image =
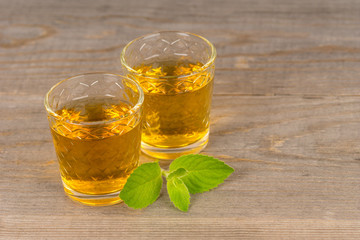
x: 285, y: 115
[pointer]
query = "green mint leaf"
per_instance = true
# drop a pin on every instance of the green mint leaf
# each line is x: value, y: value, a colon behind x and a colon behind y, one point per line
x: 178, y: 192
x: 180, y: 172
x: 202, y: 172
x: 143, y: 186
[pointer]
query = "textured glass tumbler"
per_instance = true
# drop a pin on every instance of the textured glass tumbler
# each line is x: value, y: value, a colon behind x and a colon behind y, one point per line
x: 175, y: 71
x: 95, y: 121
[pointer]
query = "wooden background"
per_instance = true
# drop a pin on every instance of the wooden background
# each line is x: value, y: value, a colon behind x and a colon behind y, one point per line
x: 285, y: 115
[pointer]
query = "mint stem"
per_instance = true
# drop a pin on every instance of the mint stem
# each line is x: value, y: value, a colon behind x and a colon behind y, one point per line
x: 165, y: 173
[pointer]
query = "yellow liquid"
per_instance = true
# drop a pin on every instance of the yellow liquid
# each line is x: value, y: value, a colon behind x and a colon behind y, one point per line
x: 176, y: 111
x: 96, y: 159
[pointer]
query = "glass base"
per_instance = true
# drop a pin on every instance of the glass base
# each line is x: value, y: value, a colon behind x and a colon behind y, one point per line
x: 93, y: 200
x: 173, y: 153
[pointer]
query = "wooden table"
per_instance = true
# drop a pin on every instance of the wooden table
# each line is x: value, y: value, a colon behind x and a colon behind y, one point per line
x: 285, y: 115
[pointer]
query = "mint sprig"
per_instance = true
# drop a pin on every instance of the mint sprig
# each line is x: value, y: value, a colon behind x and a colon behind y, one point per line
x: 187, y: 174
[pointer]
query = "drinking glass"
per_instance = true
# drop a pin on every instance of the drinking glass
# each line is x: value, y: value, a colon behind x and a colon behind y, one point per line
x: 176, y: 72
x: 95, y: 122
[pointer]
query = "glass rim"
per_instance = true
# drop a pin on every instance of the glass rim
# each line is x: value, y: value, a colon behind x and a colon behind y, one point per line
x: 202, y: 69
x: 132, y: 111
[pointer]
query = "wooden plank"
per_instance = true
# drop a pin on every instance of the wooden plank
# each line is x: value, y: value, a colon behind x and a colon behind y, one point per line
x: 285, y: 115
x: 137, y: 228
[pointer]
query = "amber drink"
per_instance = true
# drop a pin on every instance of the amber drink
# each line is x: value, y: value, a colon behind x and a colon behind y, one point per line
x: 175, y: 71
x: 95, y: 121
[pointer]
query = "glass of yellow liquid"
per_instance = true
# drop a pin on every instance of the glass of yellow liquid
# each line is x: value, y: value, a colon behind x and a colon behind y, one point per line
x: 95, y: 122
x: 176, y: 72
